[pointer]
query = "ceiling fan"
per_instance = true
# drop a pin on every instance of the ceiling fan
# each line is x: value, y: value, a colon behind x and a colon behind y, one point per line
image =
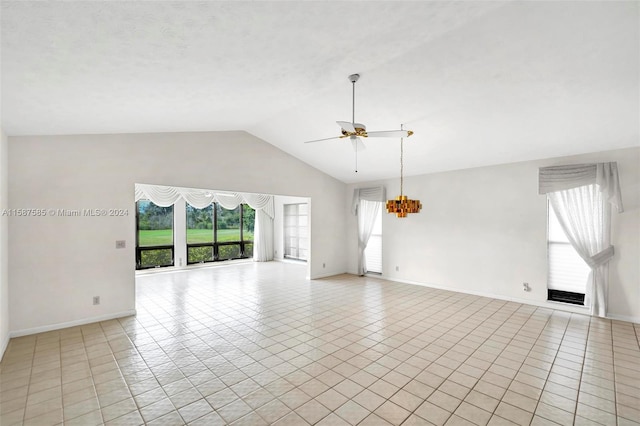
x: 355, y: 131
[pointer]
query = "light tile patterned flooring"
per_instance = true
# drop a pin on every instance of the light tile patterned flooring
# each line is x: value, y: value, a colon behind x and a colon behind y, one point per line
x: 257, y: 344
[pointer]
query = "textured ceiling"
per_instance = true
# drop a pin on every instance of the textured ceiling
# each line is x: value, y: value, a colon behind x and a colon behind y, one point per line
x: 478, y: 82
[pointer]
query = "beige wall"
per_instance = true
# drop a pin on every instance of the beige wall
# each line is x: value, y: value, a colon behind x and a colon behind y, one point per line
x: 4, y: 254
x: 59, y: 263
x: 483, y: 231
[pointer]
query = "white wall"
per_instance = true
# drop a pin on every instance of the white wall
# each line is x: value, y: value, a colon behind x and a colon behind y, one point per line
x: 4, y: 228
x: 483, y: 231
x: 59, y: 263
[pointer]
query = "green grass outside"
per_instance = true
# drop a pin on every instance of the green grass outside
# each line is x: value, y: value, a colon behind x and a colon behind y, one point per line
x: 161, y: 237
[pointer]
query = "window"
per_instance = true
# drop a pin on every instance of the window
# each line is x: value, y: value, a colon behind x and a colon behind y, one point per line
x: 200, y: 236
x: 568, y: 273
x: 373, y: 251
x: 215, y: 233
x: 154, y: 236
x: 296, y: 231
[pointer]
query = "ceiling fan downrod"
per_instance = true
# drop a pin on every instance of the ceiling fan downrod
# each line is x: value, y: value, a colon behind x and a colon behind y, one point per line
x: 353, y: 78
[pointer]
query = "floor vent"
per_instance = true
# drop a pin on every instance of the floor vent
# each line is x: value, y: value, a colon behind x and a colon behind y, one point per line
x: 565, y: 297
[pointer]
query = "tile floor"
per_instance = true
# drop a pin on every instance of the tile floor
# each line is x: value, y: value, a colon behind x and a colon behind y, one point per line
x: 257, y: 344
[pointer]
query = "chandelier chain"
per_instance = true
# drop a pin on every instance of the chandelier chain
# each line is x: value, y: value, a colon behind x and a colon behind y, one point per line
x: 401, y: 166
x: 401, y: 162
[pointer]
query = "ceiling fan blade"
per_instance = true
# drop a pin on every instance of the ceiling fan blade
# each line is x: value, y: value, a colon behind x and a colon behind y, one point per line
x: 357, y: 144
x: 346, y: 125
x: 390, y: 134
x: 325, y: 139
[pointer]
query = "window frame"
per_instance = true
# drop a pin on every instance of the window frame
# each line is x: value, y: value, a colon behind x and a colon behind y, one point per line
x: 297, y: 226
x: 141, y: 249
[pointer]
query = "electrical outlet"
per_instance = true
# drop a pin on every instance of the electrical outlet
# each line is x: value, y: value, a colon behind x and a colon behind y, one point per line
x: 324, y: 265
x: 525, y: 287
x: 120, y: 244
x: 397, y: 268
x: 96, y: 300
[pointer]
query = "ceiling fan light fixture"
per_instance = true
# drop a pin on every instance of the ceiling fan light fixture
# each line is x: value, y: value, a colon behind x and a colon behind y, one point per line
x: 356, y: 131
x: 402, y: 205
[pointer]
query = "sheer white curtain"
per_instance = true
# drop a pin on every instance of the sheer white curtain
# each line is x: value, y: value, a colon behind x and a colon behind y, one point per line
x: 580, y: 196
x: 366, y: 204
x: 367, y: 214
x: 585, y: 219
x: 263, y: 237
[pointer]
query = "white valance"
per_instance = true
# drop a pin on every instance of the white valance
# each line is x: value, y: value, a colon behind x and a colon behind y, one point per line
x: 165, y: 196
x: 376, y: 193
x: 560, y: 178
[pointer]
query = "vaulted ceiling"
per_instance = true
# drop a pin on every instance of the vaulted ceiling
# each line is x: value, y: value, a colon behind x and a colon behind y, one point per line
x: 479, y: 83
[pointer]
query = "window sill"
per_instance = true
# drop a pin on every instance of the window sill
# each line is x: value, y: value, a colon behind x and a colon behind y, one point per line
x: 193, y: 266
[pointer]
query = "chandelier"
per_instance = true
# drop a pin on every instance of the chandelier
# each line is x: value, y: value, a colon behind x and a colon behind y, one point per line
x: 402, y: 205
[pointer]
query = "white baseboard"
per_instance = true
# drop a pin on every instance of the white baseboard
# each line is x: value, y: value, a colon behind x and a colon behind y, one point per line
x: 59, y: 326
x: 625, y: 318
x: 325, y: 275
x: 542, y: 304
x: 187, y: 268
x: 4, y: 344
